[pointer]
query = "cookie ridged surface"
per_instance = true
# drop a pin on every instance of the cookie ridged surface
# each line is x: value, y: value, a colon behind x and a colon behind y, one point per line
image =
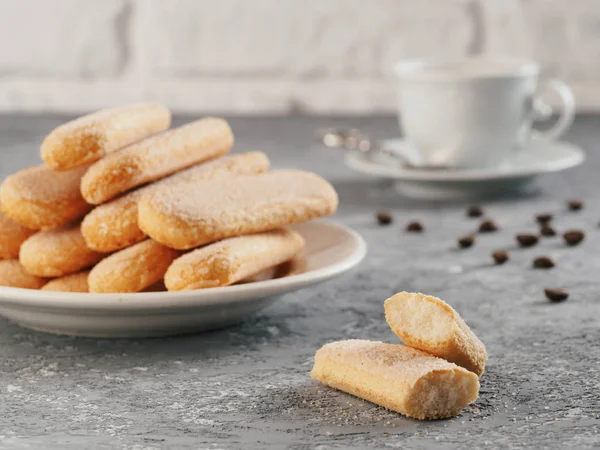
x: 13, y: 274
x: 57, y: 252
x: 192, y: 214
x: 231, y: 260
x: 88, y: 138
x: 396, y: 377
x: 114, y: 225
x: 40, y: 197
x: 430, y: 324
x: 132, y: 269
x: 77, y: 282
x: 12, y: 235
x: 155, y: 158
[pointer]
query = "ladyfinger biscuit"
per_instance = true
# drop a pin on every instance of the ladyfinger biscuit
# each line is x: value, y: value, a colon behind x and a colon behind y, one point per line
x: 12, y: 236
x: 114, y: 225
x: 156, y: 157
x: 231, y: 260
x: 396, y: 377
x: 42, y: 198
x: 186, y: 216
x: 429, y: 324
x: 57, y: 252
x: 13, y: 274
x: 77, y: 282
x: 88, y: 138
x: 132, y: 269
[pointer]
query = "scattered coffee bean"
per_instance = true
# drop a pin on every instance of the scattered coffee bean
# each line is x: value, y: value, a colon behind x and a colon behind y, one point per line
x: 466, y: 241
x: 384, y: 217
x: 414, y: 227
x: 573, y: 237
x: 556, y: 295
x: 527, y: 239
x: 474, y: 211
x: 544, y: 218
x: 488, y: 226
x: 500, y: 256
x: 547, y: 231
x: 543, y: 262
x: 575, y: 205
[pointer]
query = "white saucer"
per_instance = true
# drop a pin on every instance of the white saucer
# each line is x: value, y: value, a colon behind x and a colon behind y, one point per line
x: 331, y: 249
x: 538, y: 157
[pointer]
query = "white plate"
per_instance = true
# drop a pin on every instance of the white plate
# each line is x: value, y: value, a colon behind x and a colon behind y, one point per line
x: 537, y: 158
x: 331, y: 249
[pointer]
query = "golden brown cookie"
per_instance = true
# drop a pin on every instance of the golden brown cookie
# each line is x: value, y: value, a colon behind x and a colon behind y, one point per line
x: 396, y: 377
x: 155, y: 158
x: 77, y: 282
x: 12, y: 236
x: 132, y: 269
x: 430, y: 324
x: 57, y: 252
x: 88, y: 138
x: 13, y: 274
x: 231, y: 260
x: 42, y: 198
x: 114, y: 225
x: 190, y: 215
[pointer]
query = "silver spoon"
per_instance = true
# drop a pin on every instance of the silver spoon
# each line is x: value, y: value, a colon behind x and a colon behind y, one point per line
x: 352, y: 139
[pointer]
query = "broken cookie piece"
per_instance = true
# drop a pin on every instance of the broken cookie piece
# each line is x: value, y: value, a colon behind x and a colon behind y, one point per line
x: 396, y: 377
x: 429, y: 324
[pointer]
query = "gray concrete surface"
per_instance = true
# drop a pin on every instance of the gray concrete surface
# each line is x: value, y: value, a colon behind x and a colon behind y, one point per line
x: 248, y: 386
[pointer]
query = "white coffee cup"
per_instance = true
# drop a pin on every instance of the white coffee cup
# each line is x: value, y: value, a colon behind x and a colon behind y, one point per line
x: 473, y: 112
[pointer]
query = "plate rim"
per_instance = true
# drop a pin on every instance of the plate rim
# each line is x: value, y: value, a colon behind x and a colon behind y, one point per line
x: 147, y: 301
x: 358, y: 162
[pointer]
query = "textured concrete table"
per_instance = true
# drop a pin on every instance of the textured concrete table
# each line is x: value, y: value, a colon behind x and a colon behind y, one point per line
x: 248, y: 386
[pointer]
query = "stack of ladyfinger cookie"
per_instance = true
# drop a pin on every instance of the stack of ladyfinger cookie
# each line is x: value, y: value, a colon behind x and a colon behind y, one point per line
x: 434, y: 376
x: 124, y: 203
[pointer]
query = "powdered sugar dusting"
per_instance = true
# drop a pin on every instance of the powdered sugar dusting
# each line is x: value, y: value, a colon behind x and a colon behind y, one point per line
x: 40, y: 197
x: 113, y: 225
x: 57, y: 252
x: 392, y: 361
x: 88, y: 138
x: 42, y: 184
x: 191, y: 214
x: 232, y: 200
x: 12, y: 236
x: 156, y: 157
x: 232, y: 260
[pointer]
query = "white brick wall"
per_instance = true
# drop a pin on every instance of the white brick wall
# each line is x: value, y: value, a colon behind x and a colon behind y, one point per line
x: 272, y: 56
x: 67, y: 39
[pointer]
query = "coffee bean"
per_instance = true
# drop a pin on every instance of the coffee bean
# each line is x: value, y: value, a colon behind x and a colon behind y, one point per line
x: 575, y: 205
x: 414, y: 227
x: 384, y: 217
x: 488, y: 226
x: 543, y: 262
x: 466, y: 241
x: 573, y: 237
x: 474, y: 211
x: 547, y: 231
x: 556, y: 295
x: 500, y: 256
x: 527, y: 239
x: 544, y: 218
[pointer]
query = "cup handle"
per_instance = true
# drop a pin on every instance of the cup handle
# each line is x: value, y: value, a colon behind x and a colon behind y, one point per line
x: 544, y: 111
